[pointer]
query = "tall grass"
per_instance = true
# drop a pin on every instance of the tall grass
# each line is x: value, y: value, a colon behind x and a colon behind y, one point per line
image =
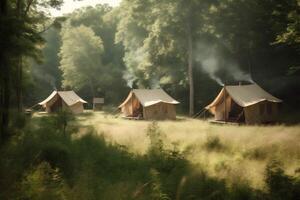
x: 244, y: 150
x: 50, y: 161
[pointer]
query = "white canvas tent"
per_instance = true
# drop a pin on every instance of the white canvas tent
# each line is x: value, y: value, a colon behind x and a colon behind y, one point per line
x: 244, y: 103
x: 63, y: 100
x: 149, y: 104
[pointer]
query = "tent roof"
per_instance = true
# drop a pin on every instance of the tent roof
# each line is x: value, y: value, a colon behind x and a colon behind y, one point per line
x: 69, y: 97
x: 149, y: 97
x: 245, y: 95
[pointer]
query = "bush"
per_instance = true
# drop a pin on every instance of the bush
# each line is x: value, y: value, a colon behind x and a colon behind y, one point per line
x: 156, y: 139
x: 63, y: 120
x: 156, y: 187
x: 213, y: 143
x: 279, y: 185
x: 242, y: 191
x: 43, y: 183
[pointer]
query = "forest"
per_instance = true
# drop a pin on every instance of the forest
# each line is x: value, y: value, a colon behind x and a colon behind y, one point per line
x: 190, y: 49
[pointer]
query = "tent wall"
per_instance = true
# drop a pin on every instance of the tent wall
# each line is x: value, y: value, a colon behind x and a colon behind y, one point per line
x: 219, y: 109
x: 77, y: 108
x: 55, y: 104
x: 49, y: 104
x: 132, y: 105
x: 262, y: 112
x: 159, y: 111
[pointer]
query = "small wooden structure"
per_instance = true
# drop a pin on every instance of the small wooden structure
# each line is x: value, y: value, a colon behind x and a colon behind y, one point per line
x: 248, y: 104
x: 149, y: 104
x: 63, y: 100
x: 98, y: 103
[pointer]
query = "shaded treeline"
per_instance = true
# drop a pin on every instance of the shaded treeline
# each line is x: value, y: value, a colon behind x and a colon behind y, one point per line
x: 49, y: 161
x: 231, y: 41
x: 87, y: 58
x: 21, y: 25
x: 184, y: 47
x: 175, y: 45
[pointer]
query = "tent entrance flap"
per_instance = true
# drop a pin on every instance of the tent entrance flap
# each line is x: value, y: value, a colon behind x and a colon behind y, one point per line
x: 138, y: 111
x: 56, y: 106
x: 132, y: 107
x: 136, y: 107
x: 236, y: 113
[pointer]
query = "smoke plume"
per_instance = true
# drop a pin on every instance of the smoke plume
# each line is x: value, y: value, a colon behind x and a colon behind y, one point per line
x: 211, y: 61
x: 130, y: 78
x: 134, y: 60
x: 154, y: 83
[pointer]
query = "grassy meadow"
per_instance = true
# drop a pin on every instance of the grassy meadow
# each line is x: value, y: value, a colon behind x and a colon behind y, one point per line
x: 225, y: 151
x: 97, y: 155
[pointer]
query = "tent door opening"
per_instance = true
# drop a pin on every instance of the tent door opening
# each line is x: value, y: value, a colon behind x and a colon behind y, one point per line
x: 57, y: 105
x: 236, y: 113
x: 137, y: 111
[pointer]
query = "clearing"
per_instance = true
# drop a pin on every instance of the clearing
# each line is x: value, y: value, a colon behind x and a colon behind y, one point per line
x: 227, y: 151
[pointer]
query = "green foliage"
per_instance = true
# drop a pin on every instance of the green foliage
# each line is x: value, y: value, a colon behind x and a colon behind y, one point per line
x: 42, y: 163
x: 242, y: 191
x: 213, y: 143
x: 63, y: 118
x: 280, y: 185
x: 156, y: 139
x: 81, y: 53
x: 164, y: 160
x: 43, y: 182
x: 290, y: 31
x: 154, y: 36
x: 63, y: 122
x: 44, y: 76
x: 156, y: 188
x: 237, y: 35
x: 94, y: 67
x: 21, y: 25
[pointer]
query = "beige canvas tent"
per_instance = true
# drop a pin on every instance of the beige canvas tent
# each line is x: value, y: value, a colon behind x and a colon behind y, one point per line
x: 149, y: 104
x: 68, y: 100
x: 244, y: 103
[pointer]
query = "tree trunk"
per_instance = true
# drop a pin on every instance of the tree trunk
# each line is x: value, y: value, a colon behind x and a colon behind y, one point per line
x: 3, y: 7
x: 5, y: 82
x: 19, y: 84
x: 5, y: 108
x: 190, y: 69
x: 19, y: 66
x: 5, y: 100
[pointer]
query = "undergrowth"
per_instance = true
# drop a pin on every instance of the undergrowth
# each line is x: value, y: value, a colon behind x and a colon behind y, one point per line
x: 48, y: 161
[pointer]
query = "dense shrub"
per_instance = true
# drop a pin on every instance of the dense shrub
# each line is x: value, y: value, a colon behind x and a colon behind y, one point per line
x: 280, y: 185
x: 43, y: 182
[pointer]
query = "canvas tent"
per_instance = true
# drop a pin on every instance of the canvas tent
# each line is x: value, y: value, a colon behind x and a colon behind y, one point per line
x: 244, y: 103
x: 149, y: 104
x: 68, y: 100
